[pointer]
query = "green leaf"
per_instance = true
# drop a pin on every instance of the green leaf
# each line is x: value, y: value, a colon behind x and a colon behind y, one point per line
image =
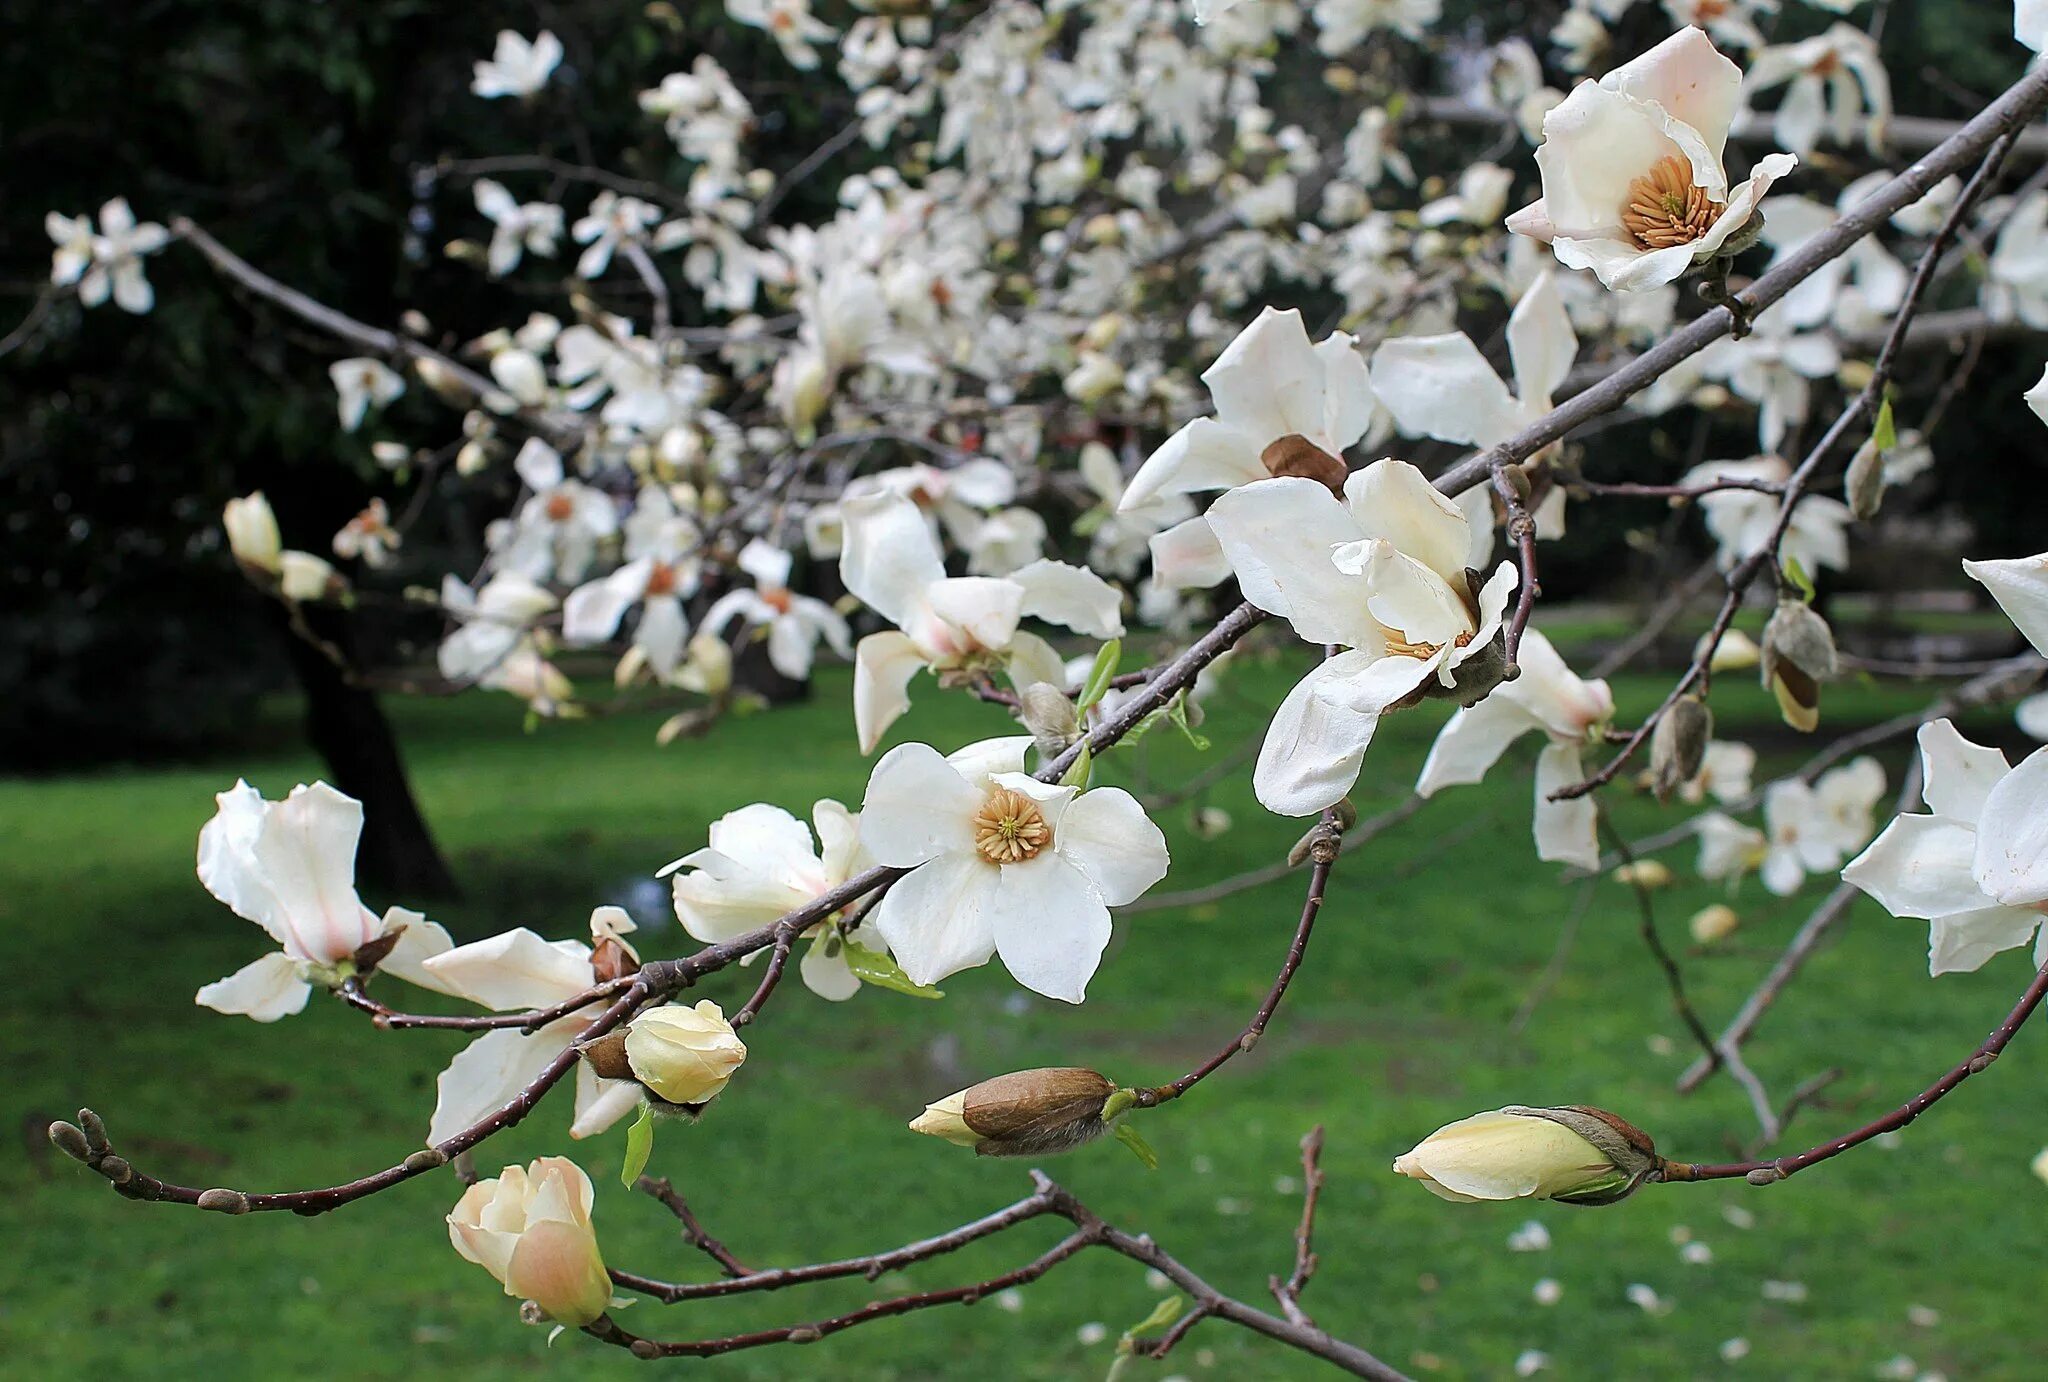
x: 1101, y: 674
x: 639, y: 1146
x: 1803, y: 583
x: 1140, y: 1148
x: 1087, y: 524
x: 1083, y: 767
x: 1885, y: 435
x: 1163, y: 1314
x: 881, y: 970
x: 1178, y: 713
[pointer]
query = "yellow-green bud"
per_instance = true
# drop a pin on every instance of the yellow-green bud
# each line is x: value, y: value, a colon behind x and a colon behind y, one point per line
x: 1025, y: 1113
x: 1711, y: 925
x: 1645, y: 873
x: 681, y: 1055
x: 1574, y: 1154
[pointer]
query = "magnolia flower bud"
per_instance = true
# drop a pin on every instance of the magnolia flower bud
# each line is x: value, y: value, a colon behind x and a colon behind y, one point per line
x: 1864, y: 485
x: 1711, y: 925
x: 1050, y: 717
x: 1094, y: 378
x: 682, y: 1055
x: 1645, y: 873
x: 252, y: 533
x: 1574, y: 1154
x: 444, y: 382
x: 301, y: 576
x: 531, y: 1230
x: 1736, y: 652
x: 801, y: 388
x: 1678, y: 745
x: 1025, y: 1113
x: 1798, y: 655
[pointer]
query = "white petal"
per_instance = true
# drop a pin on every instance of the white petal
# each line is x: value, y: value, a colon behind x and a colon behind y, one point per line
x: 538, y: 465
x: 601, y: 1103
x: 264, y: 989
x: 890, y: 558
x: 827, y: 974
x: 1032, y: 659
x: 1106, y: 834
x: 1268, y: 383
x: 516, y: 969
x: 883, y: 665
x: 1393, y: 500
x: 1471, y: 742
x: 765, y: 839
x: 1313, y: 748
x: 1541, y: 342
x: 1072, y: 597
x: 2012, y: 836
x: 934, y: 917
x: 306, y: 851
x: 1689, y: 77
x: 1407, y: 596
x: 1205, y: 454
x: 488, y: 1073
x: 1049, y: 926
x: 1920, y: 867
x: 1963, y: 942
x: 984, y: 608
x: 419, y: 940
x: 1595, y: 143
x: 1567, y: 832
x: 592, y: 612
x: 663, y: 633
x: 1959, y: 775
x: 1278, y: 535
x: 1349, y: 400
x: 1187, y: 556
x: 917, y: 807
x: 791, y: 644
x: 767, y: 564
x: 2020, y: 586
x: 1442, y: 387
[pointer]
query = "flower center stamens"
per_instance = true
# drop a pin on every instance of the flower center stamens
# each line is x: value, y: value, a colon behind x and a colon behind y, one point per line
x: 1663, y: 208
x: 1009, y: 828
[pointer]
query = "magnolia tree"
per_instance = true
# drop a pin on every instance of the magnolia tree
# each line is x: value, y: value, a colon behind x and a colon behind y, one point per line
x: 1021, y: 386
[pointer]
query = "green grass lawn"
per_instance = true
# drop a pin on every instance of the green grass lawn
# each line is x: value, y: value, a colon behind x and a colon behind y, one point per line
x: 1434, y: 936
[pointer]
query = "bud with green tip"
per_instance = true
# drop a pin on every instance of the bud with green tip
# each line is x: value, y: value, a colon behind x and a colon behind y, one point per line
x: 1025, y: 1113
x: 1574, y: 1154
x: 1798, y: 655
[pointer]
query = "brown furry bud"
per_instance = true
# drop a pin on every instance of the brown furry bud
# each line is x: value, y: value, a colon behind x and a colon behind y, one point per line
x: 1798, y: 655
x: 1050, y: 717
x: 222, y: 1201
x: 606, y: 1056
x: 70, y: 1141
x: 1025, y: 1113
x: 1678, y: 745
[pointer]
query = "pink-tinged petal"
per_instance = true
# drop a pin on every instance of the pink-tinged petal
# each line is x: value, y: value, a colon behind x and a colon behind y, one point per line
x: 1963, y: 942
x: 1205, y: 454
x: 890, y: 557
x: 1278, y: 535
x: 1920, y: 868
x: 918, y: 807
x: 306, y: 850
x: 556, y: 1265
x: 1349, y: 401
x: 1050, y: 926
x: 1072, y: 597
x: 1268, y: 383
x: 488, y: 1074
x: 1106, y: 834
x: 1689, y: 77
x: 935, y: 917
x: 883, y: 664
x: 1567, y: 832
x: 1393, y: 500
x: 1959, y: 775
x: 2020, y: 585
x: 265, y: 989
x: 1541, y: 342
x: 1187, y: 556
x: 2012, y: 836
x: 1442, y: 387
x: 1533, y: 221
x: 1313, y: 748
x: 516, y: 969
x: 1471, y: 742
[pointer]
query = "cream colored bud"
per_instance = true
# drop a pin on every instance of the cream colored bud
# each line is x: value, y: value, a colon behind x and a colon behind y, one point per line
x: 801, y: 389
x: 1678, y: 745
x: 530, y: 1228
x: 301, y: 576
x: 1798, y: 655
x: 1645, y: 873
x: 1093, y: 379
x: 708, y: 671
x: 1712, y: 925
x: 1025, y: 1113
x: 442, y: 381
x: 252, y: 533
x: 1736, y: 652
x: 684, y: 1055
x: 1575, y: 1154
x: 1864, y: 484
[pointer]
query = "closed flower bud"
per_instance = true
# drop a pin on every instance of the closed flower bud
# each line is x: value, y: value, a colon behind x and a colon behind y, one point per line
x: 303, y: 576
x: 1736, y: 652
x: 683, y: 1055
x: 1026, y: 1113
x: 1645, y: 873
x: 252, y: 533
x: 1711, y: 925
x: 1575, y: 1154
x: 1094, y: 378
x: 530, y: 1228
x: 1864, y: 485
x: 1798, y: 655
x: 1678, y: 745
x: 1050, y: 717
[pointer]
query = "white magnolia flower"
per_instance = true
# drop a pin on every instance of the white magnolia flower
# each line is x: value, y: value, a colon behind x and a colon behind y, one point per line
x: 1880, y: 279
x: 368, y: 537
x: 1974, y: 867
x: 958, y: 503
x: 1833, y: 77
x: 1724, y: 774
x: 759, y: 865
x: 517, y: 229
x: 611, y: 221
x: 1728, y: 848
x: 1773, y: 367
x: 1480, y: 198
x: 592, y: 612
x: 794, y: 622
x: 1634, y: 187
x: 1812, y: 828
x: 511, y: 972
x: 559, y: 527
x: 1344, y: 24
x: 517, y: 66
x: 290, y: 867
x: 1002, y: 864
x: 361, y: 384
x: 2016, y: 278
x: 494, y: 621
x: 789, y: 22
x: 109, y: 262
x: 1741, y: 520
x: 1380, y: 572
x: 2020, y: 585
x: 952, y: 624
x: 1119, y: 537
x: 1570, y: 713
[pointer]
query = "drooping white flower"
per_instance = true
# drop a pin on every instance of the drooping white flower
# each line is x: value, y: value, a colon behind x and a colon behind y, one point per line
x: 1725, y: 769
x: 794, y: 622
x: 516, y: 228
x: 106, y: 263
x: 1344, y: 24
x: 1570, y: 713
x: 1741, y: 520
x: 1381, y: 573
x: 952, y: 624
x: 592, y: 612
x: 1728, y: 848
x: 493, y: 622
x: 1119, y: 537
x: 1833, y: 76
x: 517, y: 66
x: 509, y: 972
x: 1812, y: 828
x: 289, y: 866
x: 758, y: 865
x: 789, y: 22
x: 361, y: 384
x: 1634, y: 187
x: 1002, y: 864
x: 1973, y: 868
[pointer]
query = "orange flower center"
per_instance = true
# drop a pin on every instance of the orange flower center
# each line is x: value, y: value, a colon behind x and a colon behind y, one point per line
x: 662, y: 579
x: 1663, y: 208
x: 776, y: 598
x: 1009, y: 828
x: 560, y: 507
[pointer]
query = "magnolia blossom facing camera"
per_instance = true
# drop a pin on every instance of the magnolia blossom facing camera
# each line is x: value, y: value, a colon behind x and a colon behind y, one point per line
x: 530, y: 1228
x: 1634, y: 187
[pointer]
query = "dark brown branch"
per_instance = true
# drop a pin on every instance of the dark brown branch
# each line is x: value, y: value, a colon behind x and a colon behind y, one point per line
x: 660, y: 1189
x: 1288, y: 1292
x: 1674, y: 978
